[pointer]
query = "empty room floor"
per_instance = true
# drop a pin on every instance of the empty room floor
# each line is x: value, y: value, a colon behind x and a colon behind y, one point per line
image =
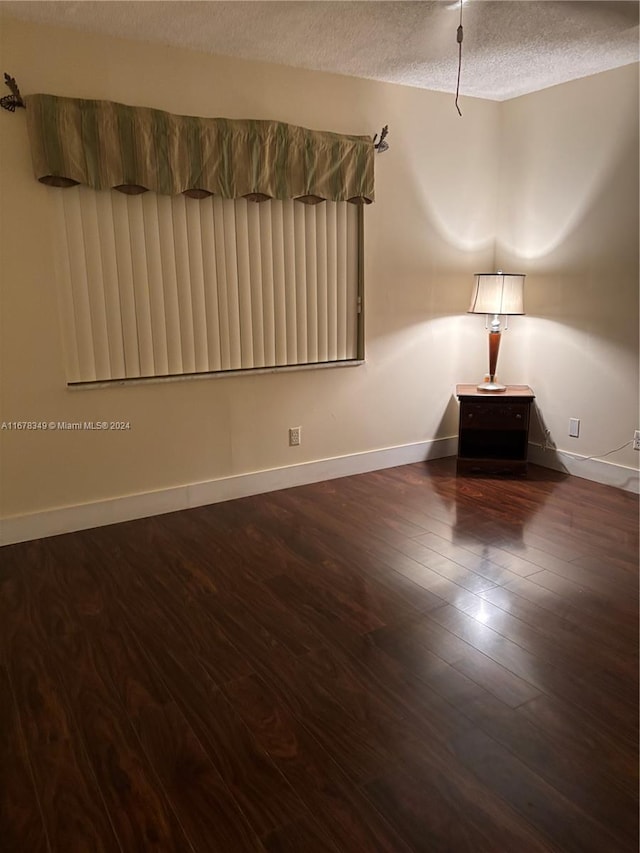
x: 396, y: 661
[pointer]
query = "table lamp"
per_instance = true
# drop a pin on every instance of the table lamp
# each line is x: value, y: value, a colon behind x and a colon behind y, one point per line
x: 496, y: 294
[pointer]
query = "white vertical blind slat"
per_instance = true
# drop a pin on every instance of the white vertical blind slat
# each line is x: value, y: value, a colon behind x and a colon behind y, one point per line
x: 332, y: 282
x: 154, y: 276
x: 244, y: 282
x: 279, y: 298
x: 156, y: 285
x: 310, y: 244
x: 341, y: 284
x: 95, y: 282
x: 288, y: 237
x: 221, y: 272
x: 233, y: 297
x: 111, y: 285
x: 352, y: 281
x: 321, y: 273
x: 268, y: 313
x: 210, y: 283
x: 141, y: 285
x: 301, y: 281
x: 196, y: 280
x: 63, y: 276
x: 122, y: 236
x: 185, y: 306
x: 169, y: 284
x: 255, y: 272
x: 79, y: 284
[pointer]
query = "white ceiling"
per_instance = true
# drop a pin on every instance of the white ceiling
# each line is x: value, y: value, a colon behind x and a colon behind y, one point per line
x: 510, y: 48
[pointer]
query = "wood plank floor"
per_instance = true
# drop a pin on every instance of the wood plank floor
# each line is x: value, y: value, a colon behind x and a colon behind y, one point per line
x: 396, y: 661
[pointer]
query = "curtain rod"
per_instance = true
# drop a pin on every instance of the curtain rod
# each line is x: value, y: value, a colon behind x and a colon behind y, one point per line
x: 10, y: 102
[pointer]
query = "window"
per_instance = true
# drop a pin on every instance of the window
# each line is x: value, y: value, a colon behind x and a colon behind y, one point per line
x: 156, y: 285
x: 192, y: 245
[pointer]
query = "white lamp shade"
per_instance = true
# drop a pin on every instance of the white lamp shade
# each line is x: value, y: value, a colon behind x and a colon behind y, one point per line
x: 498, y: 293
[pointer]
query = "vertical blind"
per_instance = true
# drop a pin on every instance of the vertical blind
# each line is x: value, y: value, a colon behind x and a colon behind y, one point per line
x: 157, y: 285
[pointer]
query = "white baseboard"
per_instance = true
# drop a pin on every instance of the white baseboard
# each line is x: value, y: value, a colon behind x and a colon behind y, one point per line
x: 597, y: 470
x: 21, y: 528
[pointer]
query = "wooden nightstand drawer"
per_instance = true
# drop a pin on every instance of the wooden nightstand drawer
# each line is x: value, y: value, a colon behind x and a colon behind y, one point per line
x: 495, y: 415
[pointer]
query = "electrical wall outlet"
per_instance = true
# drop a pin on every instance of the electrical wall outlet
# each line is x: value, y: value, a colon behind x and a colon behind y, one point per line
x: 295, y: 436
x: 574, y: 427
x: 636, y: 440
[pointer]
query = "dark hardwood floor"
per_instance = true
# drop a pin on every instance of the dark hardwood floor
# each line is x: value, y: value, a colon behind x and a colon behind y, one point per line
x: 396, y: 661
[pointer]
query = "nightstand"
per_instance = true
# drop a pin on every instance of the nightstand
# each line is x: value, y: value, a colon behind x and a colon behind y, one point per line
x: 494, y: 430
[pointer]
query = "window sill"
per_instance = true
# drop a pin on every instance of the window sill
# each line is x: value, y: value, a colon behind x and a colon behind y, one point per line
x: 218, y: 374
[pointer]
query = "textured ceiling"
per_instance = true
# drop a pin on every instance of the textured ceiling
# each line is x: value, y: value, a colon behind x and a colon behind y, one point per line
x: 511, y: 47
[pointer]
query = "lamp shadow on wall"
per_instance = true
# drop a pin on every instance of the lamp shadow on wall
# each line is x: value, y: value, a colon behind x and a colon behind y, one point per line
x: 577, y: 254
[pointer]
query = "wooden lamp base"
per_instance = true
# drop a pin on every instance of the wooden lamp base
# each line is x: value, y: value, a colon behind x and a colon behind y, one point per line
x: 494, y: 347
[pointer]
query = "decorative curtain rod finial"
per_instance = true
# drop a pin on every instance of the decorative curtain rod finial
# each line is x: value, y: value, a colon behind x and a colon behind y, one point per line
x: 10, y: 102
x: 381, y: 145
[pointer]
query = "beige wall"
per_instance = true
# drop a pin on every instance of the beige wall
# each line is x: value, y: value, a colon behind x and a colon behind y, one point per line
x: 568, y: 217
x: 432, y: 226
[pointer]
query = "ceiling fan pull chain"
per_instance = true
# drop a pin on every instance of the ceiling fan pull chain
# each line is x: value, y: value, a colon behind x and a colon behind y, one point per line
x: 459, y: 37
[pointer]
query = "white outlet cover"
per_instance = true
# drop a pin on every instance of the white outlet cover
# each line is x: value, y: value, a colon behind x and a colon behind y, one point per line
x: 295, y: 436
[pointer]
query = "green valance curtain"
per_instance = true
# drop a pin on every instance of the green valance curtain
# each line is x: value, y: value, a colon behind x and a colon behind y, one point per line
x: 108, y: 145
